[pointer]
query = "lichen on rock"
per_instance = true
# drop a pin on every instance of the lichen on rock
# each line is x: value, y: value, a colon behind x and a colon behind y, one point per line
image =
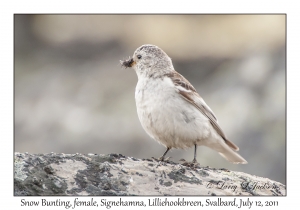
x: 115, y: 175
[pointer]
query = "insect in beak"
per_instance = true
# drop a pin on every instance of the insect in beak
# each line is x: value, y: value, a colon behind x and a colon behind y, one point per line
x: 127, y: 63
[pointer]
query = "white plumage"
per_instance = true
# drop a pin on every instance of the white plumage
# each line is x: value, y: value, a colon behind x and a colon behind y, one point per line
x: 171, y: 111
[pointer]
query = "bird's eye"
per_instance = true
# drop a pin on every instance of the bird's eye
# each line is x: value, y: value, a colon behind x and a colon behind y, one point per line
x: 139, y: 56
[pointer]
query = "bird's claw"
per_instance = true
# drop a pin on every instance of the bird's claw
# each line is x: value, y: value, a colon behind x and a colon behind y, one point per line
x: 193, y: 164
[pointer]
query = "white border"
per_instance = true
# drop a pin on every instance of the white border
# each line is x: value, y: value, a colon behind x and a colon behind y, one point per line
x: 8, y: 8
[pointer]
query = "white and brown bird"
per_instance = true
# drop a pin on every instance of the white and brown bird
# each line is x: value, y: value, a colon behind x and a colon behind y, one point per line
x: 170, y: 109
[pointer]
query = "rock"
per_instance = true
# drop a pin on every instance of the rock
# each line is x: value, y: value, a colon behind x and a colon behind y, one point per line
x: 115, y: 174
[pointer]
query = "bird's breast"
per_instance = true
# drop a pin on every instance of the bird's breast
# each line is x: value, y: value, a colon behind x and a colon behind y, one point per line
x: 164, y: 115
x: 153, y: 92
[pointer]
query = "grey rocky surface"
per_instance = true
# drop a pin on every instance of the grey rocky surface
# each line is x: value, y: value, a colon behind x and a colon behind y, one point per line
x: 117, y: 175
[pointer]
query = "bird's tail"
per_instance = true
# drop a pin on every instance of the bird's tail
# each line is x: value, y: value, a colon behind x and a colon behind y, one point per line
x: 233, y: 157
x: 227, y: 152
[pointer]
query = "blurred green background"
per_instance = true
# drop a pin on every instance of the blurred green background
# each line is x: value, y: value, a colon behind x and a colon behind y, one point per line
x: 71, y: 95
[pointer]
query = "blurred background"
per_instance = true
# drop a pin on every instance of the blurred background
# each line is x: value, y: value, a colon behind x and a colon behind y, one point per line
x: 71, y: 95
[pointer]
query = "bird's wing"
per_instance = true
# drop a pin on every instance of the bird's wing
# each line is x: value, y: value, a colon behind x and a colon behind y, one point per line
x: 189, y: 93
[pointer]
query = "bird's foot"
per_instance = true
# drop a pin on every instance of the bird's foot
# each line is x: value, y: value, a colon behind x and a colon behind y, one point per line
x: 194, y: 164
x: 163, y: 159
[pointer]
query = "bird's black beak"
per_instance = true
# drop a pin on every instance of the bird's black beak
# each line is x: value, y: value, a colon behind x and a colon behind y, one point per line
x: 127, y: 63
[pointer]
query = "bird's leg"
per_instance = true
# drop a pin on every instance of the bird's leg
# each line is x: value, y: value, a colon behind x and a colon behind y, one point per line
x: 195, y: 155
x: 162, y: 158
x: 194, y: 163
